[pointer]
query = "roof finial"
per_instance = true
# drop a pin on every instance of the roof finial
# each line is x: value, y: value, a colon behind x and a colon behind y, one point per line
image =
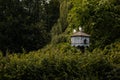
x: 74, y: 31
x: 80, y: 28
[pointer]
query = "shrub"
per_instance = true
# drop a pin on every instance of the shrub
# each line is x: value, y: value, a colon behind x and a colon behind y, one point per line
x: 60, y: 62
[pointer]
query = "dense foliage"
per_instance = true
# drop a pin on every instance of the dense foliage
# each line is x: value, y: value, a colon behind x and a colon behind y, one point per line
x: 62, y: 63
x: 26, y: 24
x: 99, y: 18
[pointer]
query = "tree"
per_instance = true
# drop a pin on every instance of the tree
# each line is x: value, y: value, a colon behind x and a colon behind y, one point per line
x: 24, y: 24
x: 52, y: 13
x: 99, y: 18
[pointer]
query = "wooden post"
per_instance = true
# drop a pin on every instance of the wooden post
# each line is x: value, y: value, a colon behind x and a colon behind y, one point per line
x: 82, y: 48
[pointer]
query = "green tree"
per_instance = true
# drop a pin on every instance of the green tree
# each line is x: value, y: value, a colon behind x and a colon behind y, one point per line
x: 102, y: 22
x: 24, y: 24
x: 99, y: 18
x: 52, y: 13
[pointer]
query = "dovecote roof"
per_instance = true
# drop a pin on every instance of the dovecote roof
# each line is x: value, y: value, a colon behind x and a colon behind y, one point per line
x: 80, y: 34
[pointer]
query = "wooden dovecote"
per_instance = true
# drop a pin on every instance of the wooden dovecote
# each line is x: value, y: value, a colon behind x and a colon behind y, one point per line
x: 80, y: 39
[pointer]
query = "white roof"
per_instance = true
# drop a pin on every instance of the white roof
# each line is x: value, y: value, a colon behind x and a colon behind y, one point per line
x: 80, y: 33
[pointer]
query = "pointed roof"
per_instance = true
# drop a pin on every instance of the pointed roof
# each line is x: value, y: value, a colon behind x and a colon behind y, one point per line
x: 80, y: 33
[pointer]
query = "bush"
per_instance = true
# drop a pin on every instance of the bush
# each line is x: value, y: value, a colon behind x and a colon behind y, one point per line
x: 60, y: 39
x: 64, y: 64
